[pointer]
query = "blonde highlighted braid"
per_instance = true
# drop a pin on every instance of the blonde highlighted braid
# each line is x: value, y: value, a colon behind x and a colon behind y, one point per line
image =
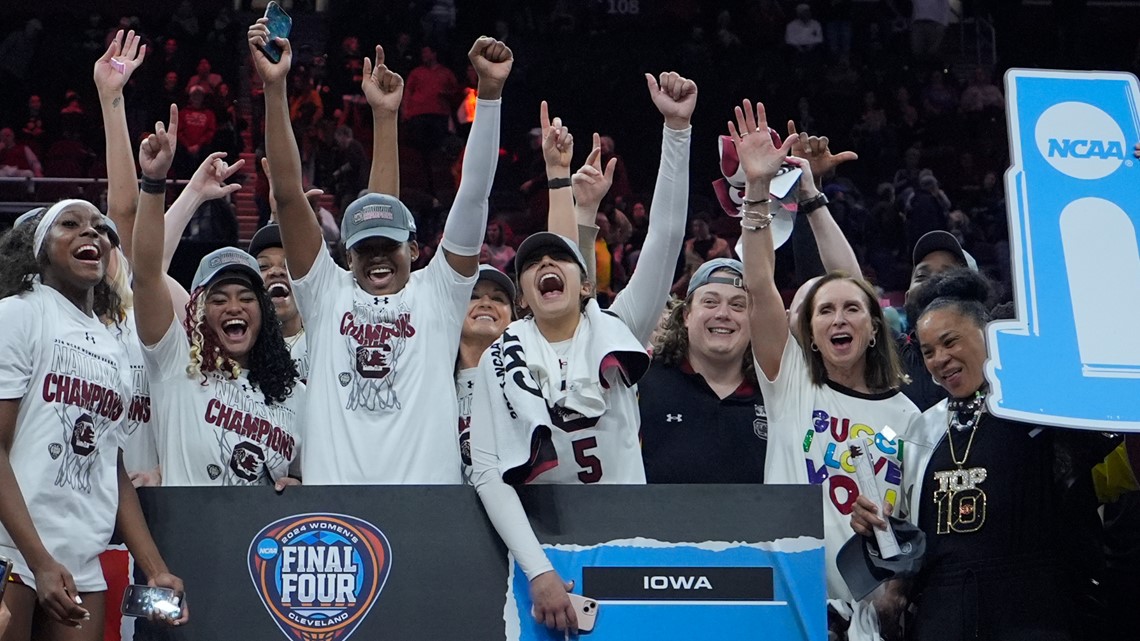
x: 204, y: 343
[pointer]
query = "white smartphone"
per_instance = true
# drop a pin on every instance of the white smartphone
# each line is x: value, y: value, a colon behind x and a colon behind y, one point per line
x: 587, y: 611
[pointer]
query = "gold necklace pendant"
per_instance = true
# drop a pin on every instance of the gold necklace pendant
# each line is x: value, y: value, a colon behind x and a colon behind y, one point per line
x: 960, y: 503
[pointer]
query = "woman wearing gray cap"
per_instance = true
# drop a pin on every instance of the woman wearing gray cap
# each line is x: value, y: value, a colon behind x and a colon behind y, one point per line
x: 224, y: 388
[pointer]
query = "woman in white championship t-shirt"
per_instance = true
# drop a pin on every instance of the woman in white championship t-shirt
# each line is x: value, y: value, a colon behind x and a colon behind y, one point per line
x: 841, y: 385
x: 64, y: 385
x: 224, y: 388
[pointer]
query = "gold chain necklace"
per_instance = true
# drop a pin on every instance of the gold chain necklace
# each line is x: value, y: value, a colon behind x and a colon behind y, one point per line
x: 960, y: 503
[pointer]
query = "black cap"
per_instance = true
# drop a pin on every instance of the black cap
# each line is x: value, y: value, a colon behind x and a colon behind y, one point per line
x: 939, y: 240
x: 266, y: 237
x: 545, y: 242
x: 863, y: 568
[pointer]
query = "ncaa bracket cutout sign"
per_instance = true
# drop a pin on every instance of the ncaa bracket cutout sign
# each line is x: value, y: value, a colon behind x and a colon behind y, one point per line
x: 319, y: 574
x: 1071, y: 358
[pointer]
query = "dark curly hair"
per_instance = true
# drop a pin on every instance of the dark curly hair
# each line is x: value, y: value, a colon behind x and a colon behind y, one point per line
x: 671, y: 344
x: 18, y: 269
x: 964, y: 290
x: 271, y: 367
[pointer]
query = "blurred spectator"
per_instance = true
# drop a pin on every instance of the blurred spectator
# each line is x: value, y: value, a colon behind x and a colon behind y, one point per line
x: 887, y: 240
x: 72, y: 115
x: 184, y: 22
x: 196, y: 128
x: 429, y: 93
x: 837, y: 27
x: 803, y: 34
x: 68, y: 157
x: 16, y: 159
x: 701, y: 247
x: 33, y: 133
x: 926, y: 209
x: 981, y: 94
x: 204, y: 77
x: 499, y: 254
x: 928, y: 22
x: 402, y: 57
x: 620, y: 191
x: 351, y: 174
x: 170, y: 94
x: 172, y: 59
x: 329, y: 228
x: 346, y: 71
x: 16, y: 53
x: 438, y: 22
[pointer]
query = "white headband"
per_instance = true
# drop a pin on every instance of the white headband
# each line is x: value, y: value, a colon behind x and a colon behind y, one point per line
x: 50, y: 217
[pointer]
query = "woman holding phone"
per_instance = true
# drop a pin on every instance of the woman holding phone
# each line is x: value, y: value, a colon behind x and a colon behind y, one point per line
x: 64, y: 385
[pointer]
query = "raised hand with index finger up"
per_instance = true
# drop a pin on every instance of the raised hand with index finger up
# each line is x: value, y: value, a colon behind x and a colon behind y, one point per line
x: 383, y: 88
x: 156, y: 153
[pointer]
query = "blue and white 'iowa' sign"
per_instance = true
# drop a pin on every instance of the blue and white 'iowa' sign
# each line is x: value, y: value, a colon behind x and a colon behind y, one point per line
x: 1072, y: 357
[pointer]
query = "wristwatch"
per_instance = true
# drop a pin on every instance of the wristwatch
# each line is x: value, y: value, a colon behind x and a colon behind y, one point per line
x: 812, y: 204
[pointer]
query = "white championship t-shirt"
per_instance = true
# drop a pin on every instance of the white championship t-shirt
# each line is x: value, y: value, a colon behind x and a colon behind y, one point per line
x: 140, y: 450
x: 299, y: 350
x: 381, y: 406
x: 217, y: 430
x: 808, y: 430
x: 70, y: 374
x: 464, y: 392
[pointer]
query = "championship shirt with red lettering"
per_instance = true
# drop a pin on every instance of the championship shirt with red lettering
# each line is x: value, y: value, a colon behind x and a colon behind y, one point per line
x: 140, y: 450
x: 381, y: 405
x: 809, y: 427
x: 71, y: 377
x: 213, y: 429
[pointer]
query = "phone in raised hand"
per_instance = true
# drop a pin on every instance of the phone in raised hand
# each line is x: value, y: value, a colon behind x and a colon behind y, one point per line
x: 280, y: 24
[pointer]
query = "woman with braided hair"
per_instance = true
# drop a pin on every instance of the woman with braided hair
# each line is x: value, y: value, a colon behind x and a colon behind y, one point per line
x: 224, y: 387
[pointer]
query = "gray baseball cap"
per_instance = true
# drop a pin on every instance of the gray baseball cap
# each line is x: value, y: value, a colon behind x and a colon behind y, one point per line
x: 491, y: 273
x: 864, y: 568
x: 545, y: 242
x: 704, y: 274
x: 374, y: 215
x: 227, y: 259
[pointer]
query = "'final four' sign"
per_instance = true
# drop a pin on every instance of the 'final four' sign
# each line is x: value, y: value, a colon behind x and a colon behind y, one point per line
x: 1072, y: 356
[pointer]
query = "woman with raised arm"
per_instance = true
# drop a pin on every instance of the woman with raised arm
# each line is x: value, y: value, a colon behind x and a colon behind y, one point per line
x: 224, y: 388
x: 842, y: 382
x: 555, y: 400
x: 64, y: 389
x: 1003, y: 504
x: 378, y: 333
x: 112, y: 72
